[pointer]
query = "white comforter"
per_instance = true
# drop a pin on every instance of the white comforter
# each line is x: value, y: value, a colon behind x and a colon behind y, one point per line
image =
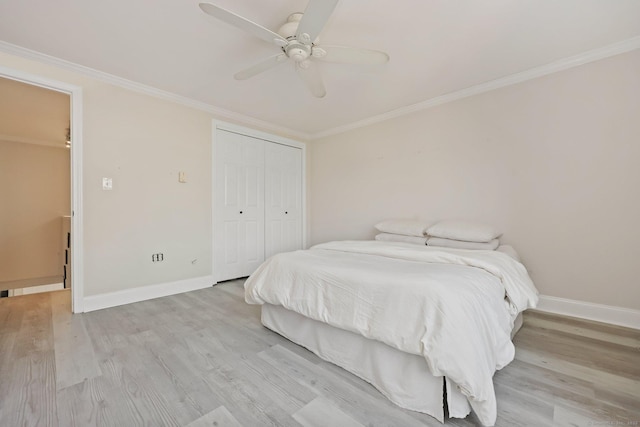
x: 444, y: 304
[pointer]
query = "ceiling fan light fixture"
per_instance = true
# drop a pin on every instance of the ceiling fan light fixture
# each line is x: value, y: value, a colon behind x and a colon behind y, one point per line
x: 297, y: 51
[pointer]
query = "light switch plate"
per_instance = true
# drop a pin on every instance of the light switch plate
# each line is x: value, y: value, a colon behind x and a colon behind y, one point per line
x: 182, y: 177
x: 107, y: 184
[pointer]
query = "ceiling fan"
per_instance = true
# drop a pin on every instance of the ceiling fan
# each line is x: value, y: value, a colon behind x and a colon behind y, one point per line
x: 297, y: 39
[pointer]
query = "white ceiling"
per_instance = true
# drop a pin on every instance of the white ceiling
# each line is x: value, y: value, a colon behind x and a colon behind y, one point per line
x: 436, y: 47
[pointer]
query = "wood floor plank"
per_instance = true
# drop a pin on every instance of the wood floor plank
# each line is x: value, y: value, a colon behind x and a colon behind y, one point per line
x: 206, y: 398
x: 12, y: 311
x: 161, y: 371
x: 88, y: 404
x: 518, y: 407
x: 629, y: 339
x: 7, y: 341
x: 28, y: 393
x: 218, y: 417
x: 564, y: 417
x: 151, y: 383
x: 592, y: 326
x: 144, y: 403
x: 35, y: 333
x: 236, y: 289
x: 363, y: 407
x: 544, y: 383
x: 321, y: 412
x: 602, y: 356
x: 557, y: 364
x: 566, y: 391
x: 240, y: 397
x: 11, y: 316
x: 286, y: 391
x: 617, y: 399
x: 75, y: 359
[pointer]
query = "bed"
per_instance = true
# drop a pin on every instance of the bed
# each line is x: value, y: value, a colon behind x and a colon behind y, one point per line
x: 419, y: 323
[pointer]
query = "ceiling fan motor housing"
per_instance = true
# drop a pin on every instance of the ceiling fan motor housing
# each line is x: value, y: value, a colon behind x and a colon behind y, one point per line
x: 290, y: 28
x: 297, y: 48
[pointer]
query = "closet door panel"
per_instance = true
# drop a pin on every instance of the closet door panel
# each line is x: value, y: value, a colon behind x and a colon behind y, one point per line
x: 253, y: 185
x: 232, y: 248
x: 292, y: 185
x: 231, y: 185
x: 273, y: 238
x: 291, y: 236
x: 283, y: 207
x: 252, y: 204
x: 239, y: 220
x: 227, y: 223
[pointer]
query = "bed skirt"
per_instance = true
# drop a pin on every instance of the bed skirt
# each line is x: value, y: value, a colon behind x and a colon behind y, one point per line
x: 402, y: 377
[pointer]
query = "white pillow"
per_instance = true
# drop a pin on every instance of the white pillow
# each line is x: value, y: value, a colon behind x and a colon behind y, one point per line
x: 408, y: 227
x: 463, y: 230
x: 388, y: 237
x: 459, y: 244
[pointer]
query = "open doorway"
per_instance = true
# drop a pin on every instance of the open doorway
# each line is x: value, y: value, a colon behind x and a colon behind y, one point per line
x: 76, y: 238
x: 35, y: 189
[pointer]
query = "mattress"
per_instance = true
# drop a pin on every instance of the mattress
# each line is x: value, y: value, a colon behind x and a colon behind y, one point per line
x: 402, y: 377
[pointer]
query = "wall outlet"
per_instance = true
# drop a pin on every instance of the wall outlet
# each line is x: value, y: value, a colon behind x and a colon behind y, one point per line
x: 157, y: 257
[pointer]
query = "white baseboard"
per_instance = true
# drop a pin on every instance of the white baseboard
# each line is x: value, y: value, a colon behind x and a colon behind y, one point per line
x: 42, y: 288
x: 143, y: 293
x: 620, y: 316
x: 36, y: 289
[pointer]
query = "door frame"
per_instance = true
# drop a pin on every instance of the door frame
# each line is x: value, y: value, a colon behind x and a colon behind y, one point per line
x: 77, y: 236
x: 218, y: 125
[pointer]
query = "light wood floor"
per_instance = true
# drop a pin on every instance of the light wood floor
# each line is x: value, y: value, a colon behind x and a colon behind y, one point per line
x: 203, y: 359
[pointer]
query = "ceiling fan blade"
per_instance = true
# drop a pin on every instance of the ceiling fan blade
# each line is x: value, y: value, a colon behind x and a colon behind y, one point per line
x: 315, y: 16
x: 260, y: 67
x: 242, y: 23
x: 308, y: 72
x: 349, y: 55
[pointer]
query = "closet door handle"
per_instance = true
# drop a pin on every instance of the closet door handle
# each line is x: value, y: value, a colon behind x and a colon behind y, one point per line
x: 240, y: 211
x: 286, y: 212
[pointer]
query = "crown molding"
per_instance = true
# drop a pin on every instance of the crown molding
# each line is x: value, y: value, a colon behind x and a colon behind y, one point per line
x: 148, y: 90
x: 553, y: 67
x: 533, y: 73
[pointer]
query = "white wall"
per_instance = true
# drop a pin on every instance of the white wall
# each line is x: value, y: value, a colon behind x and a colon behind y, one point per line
x: 554, y: 162
x: 142, y: 142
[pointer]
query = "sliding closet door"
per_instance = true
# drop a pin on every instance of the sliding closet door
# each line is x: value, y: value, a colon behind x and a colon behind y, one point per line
x: 239, y: 207
x: 283, y: 198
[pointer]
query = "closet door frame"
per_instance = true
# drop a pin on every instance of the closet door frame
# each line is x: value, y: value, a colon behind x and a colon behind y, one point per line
x: 242, y: 130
